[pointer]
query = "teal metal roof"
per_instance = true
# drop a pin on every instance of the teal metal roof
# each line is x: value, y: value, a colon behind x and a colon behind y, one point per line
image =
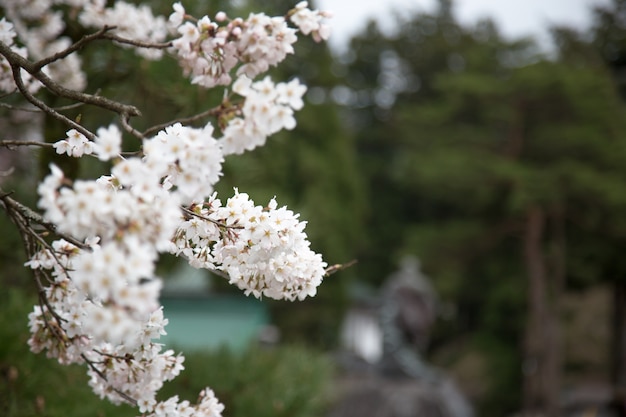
x: 209, y: 322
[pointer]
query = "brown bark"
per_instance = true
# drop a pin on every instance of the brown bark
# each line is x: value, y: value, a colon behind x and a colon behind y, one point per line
x: 542, y: 364
x: 618, y: 348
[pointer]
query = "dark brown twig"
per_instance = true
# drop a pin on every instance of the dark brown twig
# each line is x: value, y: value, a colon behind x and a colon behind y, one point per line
x: 216, y: 111
x: 338, y: 267
x: 38, y: 65
x: 17, y: 76
x: 10, y: 143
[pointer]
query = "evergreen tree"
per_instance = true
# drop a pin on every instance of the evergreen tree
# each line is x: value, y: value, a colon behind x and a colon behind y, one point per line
x: 502, y: 169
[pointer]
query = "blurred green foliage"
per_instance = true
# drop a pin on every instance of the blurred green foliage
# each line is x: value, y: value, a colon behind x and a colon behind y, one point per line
x: 447, y: 134
x: 286, y: 381
x: 464, y: 132
x: 281, y: 382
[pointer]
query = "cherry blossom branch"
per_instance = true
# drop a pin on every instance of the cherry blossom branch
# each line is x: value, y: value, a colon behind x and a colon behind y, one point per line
x: 12, y: 206
x: 216, y: 111
x: 136, y: 211
x: 38, y: 65
x: 133, y: 42
x: 92, y: 365
x: 16, y: 69
x: 18, y: 61
x: 125, y: 120
x: 30, y: 240
x: 339, y: 267
x: 210, y: 220
x: 21, y: 217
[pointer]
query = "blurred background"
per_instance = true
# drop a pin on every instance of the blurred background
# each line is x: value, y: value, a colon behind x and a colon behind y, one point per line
x: 496, y: 159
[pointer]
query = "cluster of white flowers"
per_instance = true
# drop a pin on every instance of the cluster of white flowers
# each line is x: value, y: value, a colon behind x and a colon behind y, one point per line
x: 106, y: 295
x: 267, y: 109
x: 75, y: 144
x: 191, y: 159
x: 106, y: 317
x: 264, y: 250
x: 311, y: 21
x: 130, y: 21
x: 7, y: 82
x: 187, y: 158
x: 39, y: 27
x: 129, y: 208
x: 101, y: 303
x: 209, y: 52
x: 208, y: 406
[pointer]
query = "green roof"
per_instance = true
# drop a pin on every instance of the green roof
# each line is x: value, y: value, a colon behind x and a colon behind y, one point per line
x: 209, y: 322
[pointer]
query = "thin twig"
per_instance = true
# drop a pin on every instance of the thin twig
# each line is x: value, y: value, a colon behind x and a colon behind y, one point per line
x: 208, y: 219
x: 29, y: 238
x: 10, y: 143
x: 125, y: 118
x: 185, y: 120
x: 133, y: 42
x: 37, y: 110
x: 38, y: 65
x: 30, y: 215
x: 119, y: 392
x: 338, y: 267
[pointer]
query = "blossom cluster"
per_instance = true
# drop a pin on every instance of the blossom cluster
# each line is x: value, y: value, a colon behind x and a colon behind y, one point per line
x: 105, y: 294
x: 129, y: 208
x: 268, y: 108
x: 191, y: 158
x: 101, y: 293
x: 208, y: 406
x: 208, y: 51
x: 39, y: 28
x: 264, y: 250
x: 188, y: 159
x: 130, y: 21
x: 7, y: 82
x: 78, y: 324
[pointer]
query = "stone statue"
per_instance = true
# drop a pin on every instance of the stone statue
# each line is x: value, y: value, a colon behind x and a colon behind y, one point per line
x: 401, y: 383
x: 408, y: 311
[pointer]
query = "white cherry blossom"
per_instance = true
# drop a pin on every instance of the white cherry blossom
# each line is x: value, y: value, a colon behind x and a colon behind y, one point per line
x: 101, y: 289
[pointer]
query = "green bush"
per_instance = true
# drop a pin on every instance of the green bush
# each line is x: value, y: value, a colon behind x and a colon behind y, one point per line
x: 275, y: 382
x: 283, y: 381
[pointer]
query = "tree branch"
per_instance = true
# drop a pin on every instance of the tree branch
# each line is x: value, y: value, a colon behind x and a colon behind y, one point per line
x: 29, y: 215
x: 216, y: 111
x: 139, y: 44
x: 38, y: 65
x: 125, y: 119
x: 102, y: 102
x: 17, y: 77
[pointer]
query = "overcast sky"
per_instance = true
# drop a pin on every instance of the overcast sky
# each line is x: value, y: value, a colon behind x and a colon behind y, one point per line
x: 515, y: 18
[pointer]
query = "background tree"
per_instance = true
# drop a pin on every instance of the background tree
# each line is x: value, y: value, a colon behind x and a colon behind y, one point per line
x: 504, y: 170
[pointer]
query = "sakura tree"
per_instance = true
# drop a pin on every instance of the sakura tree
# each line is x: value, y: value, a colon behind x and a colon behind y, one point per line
x: 92, y: 244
